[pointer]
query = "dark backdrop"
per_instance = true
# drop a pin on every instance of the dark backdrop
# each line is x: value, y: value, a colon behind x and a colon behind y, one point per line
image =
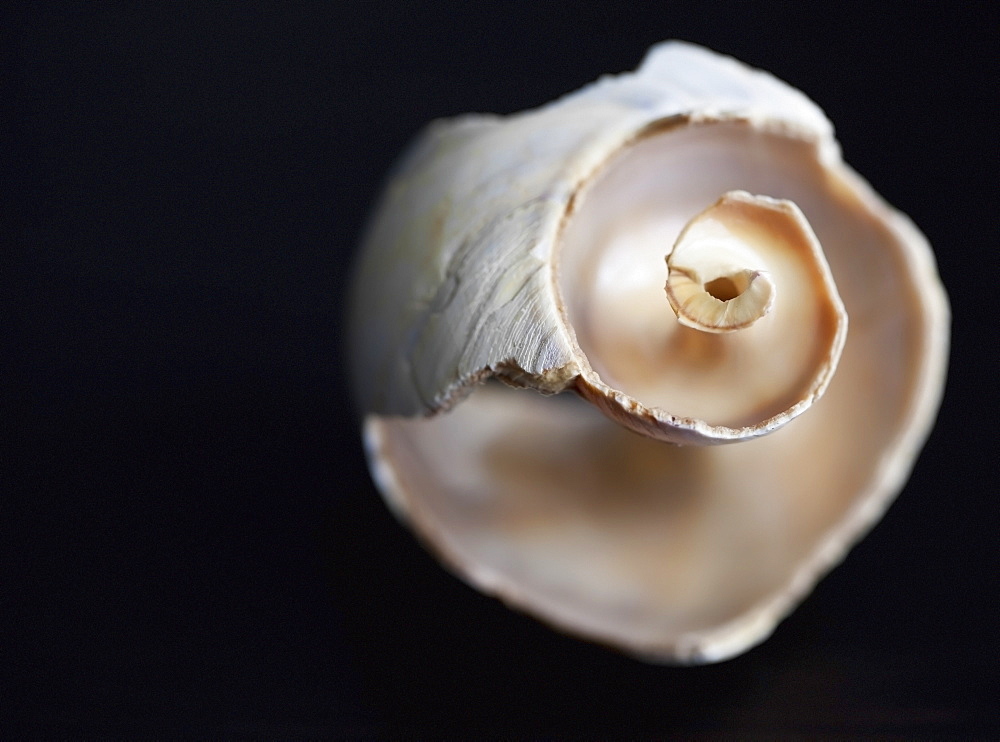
x: 191, y: 543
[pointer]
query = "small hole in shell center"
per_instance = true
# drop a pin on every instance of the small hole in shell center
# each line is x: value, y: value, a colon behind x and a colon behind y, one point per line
x: 723, y: 288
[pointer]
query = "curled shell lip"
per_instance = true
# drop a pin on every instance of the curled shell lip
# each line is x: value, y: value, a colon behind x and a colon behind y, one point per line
x: 547, y: 272
x: 759, y: 228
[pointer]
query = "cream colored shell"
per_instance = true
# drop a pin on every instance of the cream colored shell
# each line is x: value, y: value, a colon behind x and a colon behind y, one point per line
x: 531, y: 249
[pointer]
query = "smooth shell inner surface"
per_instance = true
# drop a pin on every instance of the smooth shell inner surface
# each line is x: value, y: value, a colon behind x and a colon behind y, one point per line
x: 612, y: 273
x: 679, y: 550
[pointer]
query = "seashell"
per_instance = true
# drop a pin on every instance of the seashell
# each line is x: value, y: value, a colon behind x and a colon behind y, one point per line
x: 530, y: 250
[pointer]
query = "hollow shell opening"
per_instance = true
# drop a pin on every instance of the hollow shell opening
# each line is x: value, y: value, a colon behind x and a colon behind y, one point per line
x: 611, y: 276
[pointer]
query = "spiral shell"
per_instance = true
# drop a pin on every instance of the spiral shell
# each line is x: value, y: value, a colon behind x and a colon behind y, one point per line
x: 675, y: 252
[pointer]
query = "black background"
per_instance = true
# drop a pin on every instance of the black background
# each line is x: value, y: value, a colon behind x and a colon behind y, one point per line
x: 191, y: 543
